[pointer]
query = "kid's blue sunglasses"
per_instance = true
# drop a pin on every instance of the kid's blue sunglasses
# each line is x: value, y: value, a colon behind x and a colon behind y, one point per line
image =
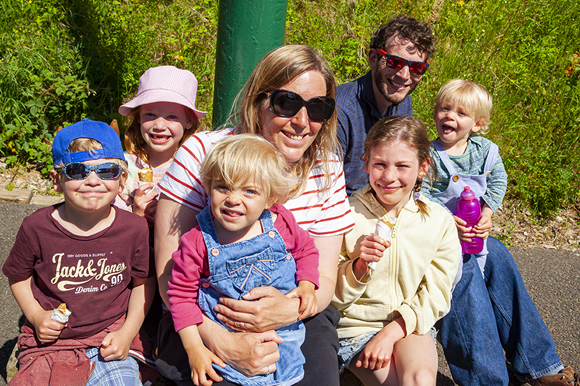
x: 80, y: 171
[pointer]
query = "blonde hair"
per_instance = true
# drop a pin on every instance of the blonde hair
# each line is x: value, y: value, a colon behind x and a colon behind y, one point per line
x: 471, y: 96
x: 276, y: 69
x: 90, y: 145
x: 248, y: 158
x: 134, y: 142
x: 412, y: 132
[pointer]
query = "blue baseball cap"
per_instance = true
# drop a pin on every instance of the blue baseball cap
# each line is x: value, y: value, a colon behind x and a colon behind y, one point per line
x: 86, y: 128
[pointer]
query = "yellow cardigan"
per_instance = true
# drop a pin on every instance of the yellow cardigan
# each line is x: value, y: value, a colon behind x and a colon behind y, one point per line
x: 413, y: 278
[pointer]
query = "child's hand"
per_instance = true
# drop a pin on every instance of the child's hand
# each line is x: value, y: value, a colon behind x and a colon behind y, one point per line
x: 371, y: 249
x: 47, y: 330
x: 115, y: 346
x: 308, y: 303
x: 202, y: 372
x: 145, y: 201
x: 465, y: 233
x: 484, y: 225
x: 200, y: 358
x: 377, y: 353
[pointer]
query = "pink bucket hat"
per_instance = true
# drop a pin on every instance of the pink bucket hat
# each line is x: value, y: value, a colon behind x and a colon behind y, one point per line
x: 165, y: 84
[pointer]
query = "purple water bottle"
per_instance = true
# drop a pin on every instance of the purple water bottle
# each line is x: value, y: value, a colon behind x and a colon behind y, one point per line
x: 468, y: 210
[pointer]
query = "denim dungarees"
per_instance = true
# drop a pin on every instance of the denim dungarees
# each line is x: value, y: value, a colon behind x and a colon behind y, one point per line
x: 457, y: 182
x: 237, y: 268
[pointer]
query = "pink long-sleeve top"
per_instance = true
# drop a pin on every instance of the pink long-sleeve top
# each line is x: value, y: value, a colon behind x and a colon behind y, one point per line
x: 191, y: 264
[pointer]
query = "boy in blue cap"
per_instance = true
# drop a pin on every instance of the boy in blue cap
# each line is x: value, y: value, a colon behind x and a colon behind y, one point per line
x: 80, y: 270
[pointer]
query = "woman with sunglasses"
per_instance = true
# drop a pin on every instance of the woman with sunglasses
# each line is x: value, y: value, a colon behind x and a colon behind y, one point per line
x: 289, y: 100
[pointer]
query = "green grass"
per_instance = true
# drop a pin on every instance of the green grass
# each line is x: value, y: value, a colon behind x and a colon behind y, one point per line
x: 62, y: 61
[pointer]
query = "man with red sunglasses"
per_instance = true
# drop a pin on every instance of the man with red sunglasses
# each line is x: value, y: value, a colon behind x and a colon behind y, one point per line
x: 398, y: 57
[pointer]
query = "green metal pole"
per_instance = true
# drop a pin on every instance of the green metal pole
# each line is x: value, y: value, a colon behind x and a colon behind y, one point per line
x: 247, y: 30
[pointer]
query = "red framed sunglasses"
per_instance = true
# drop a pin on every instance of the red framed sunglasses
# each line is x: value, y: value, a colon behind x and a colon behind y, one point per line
x: 395, y: 63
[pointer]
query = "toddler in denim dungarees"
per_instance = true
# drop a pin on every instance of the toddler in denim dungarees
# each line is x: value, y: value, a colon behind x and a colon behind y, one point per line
x: 462, y: 158
x: 245, y: 239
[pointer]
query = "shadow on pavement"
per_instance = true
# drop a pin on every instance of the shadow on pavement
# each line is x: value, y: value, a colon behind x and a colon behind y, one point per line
x: 6, y: 350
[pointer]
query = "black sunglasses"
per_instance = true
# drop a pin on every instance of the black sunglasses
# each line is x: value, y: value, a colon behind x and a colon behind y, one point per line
x: 395, y: 63
x: 287, y: 104
x: 80, y: 171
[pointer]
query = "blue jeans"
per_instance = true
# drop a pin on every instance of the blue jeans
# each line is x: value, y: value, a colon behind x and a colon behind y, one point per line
x: 492, y: 314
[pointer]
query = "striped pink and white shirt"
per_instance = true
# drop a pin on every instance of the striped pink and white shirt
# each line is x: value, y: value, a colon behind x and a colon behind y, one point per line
x: 321, y: 213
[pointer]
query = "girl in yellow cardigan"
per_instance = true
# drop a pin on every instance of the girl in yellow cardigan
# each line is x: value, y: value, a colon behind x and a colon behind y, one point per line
x: 392, y: 288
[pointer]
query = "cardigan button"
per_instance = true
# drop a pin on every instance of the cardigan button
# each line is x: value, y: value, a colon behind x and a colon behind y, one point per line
x: 455, y: 178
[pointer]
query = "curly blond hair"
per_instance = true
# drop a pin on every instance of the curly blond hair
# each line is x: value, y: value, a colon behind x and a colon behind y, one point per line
x: 249, y: 159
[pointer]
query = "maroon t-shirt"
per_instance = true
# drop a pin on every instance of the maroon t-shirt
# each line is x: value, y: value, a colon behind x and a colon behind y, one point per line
x: 91, y: 274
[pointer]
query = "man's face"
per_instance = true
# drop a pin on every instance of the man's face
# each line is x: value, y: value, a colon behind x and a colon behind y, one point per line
x: 389, y: 86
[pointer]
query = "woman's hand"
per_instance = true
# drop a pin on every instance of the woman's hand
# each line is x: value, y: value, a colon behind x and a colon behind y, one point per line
x: 145, y: 201
x: 262, y: 355
x: 263, y: 309
x: 250, y: 353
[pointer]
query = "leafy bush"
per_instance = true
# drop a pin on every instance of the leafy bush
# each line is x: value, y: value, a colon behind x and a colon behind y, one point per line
x: 61, y: 61
x: 64, y: 61
x: 42, y: 81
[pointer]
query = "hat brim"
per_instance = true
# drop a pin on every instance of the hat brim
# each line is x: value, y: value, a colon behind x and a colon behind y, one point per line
x: 153, y: 96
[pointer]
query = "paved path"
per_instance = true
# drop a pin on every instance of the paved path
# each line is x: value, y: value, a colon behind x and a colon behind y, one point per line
x: 552, y: 278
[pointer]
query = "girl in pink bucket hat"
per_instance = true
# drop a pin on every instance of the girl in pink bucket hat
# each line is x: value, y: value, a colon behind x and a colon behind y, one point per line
x: 164, y: 116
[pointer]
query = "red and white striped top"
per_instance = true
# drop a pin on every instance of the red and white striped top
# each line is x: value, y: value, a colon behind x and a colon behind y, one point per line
x: 321, y: 213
